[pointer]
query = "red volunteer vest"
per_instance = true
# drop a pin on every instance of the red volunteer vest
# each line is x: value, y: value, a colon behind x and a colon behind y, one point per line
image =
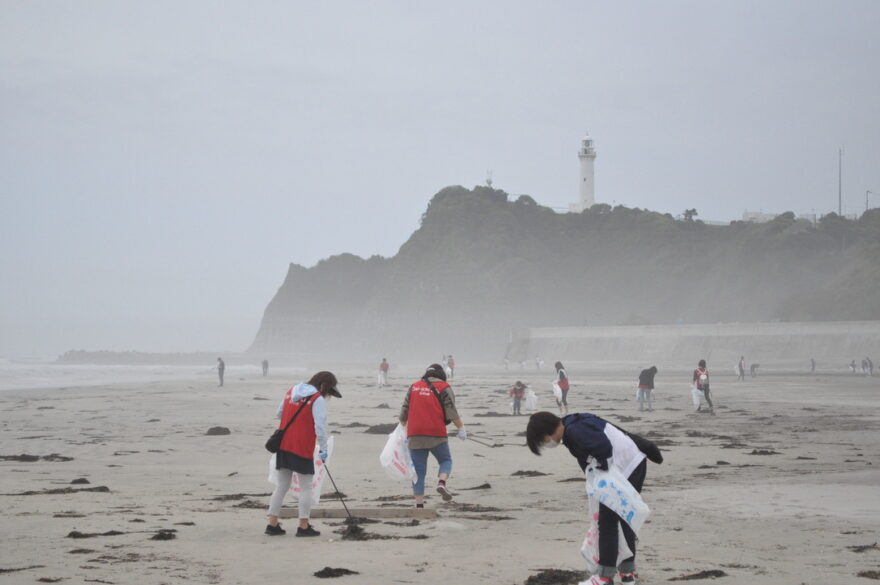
x: 425, y: 412
x: 563, y: 384
x: 300, y: 438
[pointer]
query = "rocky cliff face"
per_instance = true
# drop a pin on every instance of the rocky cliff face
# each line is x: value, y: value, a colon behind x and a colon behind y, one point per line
x: 481, y: 267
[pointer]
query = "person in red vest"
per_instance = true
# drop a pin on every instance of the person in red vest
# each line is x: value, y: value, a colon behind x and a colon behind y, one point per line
x: 384, y: 366
x: 517, y: 392
x: 562, y: 381
x: 428, y: 407
x: 701, y: 383
x: 308, y: 402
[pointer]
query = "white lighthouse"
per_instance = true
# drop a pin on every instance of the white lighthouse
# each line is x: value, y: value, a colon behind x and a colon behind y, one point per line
x: 587, y: 190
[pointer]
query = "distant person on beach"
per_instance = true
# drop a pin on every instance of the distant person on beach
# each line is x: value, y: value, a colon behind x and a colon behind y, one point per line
x: 812, y: 365
x: 646, y: 388
x: 384, y: 366
x: 517, y: 392
x: 265, y: 368
x: 753, y: 370
x: 429, y: 405
x: 870, y: 367
x: 562, y: 381
x: 594, y: 441
x: 701, y: 383
x: 741, y: 369
x: 539, y: 363
x: 221, y: 368
x: 450, y: 365
x: 308, y: 403
x: 852, y: 367
x: 506, y: 363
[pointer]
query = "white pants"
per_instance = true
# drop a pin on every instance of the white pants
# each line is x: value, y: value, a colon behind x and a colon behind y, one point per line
x: 383, y: 378
x: 305, y: 494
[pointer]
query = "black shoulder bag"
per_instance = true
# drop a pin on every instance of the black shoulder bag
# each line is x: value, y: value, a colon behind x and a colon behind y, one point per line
x: 439, y: 399
x: 274, y: 442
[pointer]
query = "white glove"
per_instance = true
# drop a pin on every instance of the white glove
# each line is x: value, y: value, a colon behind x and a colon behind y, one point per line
x: 462, y: 434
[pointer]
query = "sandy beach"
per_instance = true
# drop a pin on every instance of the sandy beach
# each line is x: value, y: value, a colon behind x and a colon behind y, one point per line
x: 122, y: 484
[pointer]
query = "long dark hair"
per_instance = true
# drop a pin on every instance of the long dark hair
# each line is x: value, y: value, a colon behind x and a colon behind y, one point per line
x: 324, y: 382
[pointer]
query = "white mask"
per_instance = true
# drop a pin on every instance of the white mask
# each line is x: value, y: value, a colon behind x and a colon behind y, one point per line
x: 551, y: 444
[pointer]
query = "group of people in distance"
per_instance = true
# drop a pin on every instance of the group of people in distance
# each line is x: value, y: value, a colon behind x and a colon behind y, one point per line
x: 428, y: 408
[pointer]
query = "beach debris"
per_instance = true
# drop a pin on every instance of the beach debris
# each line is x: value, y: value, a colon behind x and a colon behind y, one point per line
x: 78, y: 534
x: 228, y: 497
x: 710, y: 574
x: 2, y: 571
x: 25, y: 458
x: 763, y: 452
x: 869, y: 574
x: 330, y: 573
x: 383, y: 405
x: 100, y: 488
x: 864, y: 547
x: 355, y: 532
x: 165, y: 534
x: 382, y: 429
x: 49, y: 579
x: 521, y: 473
x: 482, y: 486
x: 80, y: 481
x: 555, y: 577
x: 218, y: 431
x: 81, y: 551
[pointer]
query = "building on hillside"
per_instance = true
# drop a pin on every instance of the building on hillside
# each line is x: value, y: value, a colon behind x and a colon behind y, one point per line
x: 587, y: 188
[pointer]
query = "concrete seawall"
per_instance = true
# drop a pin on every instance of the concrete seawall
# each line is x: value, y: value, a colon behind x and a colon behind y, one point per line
x: 832, y: 344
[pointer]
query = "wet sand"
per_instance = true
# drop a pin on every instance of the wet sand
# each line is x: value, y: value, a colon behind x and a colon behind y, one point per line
x: 123, y: 484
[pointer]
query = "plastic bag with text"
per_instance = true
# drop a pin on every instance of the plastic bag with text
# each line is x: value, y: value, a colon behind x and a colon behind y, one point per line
x: 531, y: 402
x: 612, y: 489
x: 590, y: 547
x: 317, y: 479
x: 395, y: 458
x: 697, y: 396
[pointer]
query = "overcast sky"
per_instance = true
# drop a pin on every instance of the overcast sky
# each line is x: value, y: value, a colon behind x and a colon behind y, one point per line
x: 161, y: 163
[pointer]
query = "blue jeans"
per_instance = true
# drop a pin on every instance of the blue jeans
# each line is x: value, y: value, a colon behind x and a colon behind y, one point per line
x: 420, y: 462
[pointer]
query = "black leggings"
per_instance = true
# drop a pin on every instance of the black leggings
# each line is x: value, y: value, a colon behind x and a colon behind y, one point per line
x: 564, y: 397
x: 608, y: 522
x: 708, y: 400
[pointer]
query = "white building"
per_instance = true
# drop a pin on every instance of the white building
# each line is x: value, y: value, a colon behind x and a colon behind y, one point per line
x: 587, y: 189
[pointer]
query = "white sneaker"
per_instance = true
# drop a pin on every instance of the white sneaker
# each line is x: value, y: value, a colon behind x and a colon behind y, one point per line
x: 597, y: 580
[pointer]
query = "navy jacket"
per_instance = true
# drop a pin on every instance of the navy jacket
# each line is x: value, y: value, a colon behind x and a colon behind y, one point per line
x: 585, y: 437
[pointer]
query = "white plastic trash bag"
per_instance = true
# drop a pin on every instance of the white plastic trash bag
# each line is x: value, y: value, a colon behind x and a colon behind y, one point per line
x: 317, y: 479
x: 557, y: 392
x: 531, y: 402
x: 613, y: 490
x: 590, y: 547
x: 395, y: 458
x: 697, y: 395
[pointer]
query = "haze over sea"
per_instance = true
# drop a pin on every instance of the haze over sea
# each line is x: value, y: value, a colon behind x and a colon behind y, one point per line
x: 44, y: 372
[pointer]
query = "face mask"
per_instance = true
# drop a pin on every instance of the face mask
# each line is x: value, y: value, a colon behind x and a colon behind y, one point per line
x: 551, y: 444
